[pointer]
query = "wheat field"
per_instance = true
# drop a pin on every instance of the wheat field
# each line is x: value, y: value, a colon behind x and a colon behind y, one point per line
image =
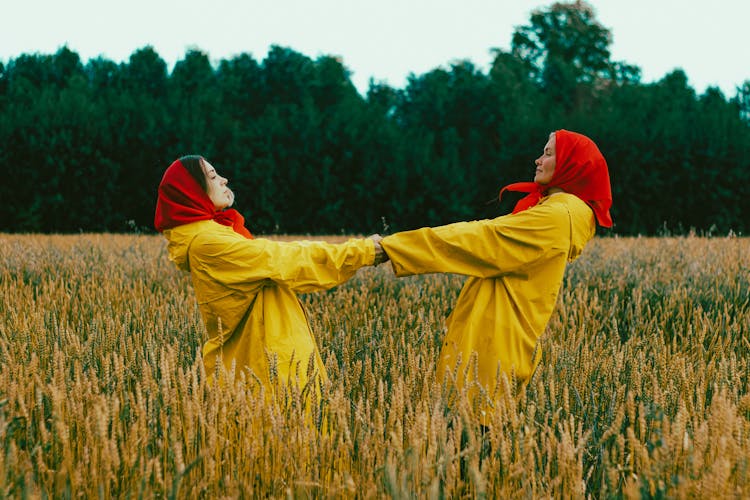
x: 643, y: 390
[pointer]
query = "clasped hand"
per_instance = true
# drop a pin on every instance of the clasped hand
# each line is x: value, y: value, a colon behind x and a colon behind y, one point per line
x: 380, y: 255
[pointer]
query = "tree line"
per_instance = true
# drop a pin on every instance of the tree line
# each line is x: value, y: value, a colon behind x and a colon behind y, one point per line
x: 83, y: 146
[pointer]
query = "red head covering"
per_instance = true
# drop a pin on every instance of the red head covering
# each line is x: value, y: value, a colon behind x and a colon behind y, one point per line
x: 182, y: 200
x: 580, y: 169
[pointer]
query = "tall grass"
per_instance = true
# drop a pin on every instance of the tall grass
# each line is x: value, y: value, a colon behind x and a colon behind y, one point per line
x: 643, y: 390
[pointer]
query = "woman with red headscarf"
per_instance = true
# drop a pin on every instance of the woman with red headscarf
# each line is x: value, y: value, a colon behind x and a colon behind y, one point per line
x: 247, y: 287
x: 515, y: 266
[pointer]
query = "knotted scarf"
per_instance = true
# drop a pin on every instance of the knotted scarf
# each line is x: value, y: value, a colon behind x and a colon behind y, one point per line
x: 580, y: 169
x: 182, y: 200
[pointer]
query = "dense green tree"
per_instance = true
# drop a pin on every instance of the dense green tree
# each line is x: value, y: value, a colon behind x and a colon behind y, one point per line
x: 142, y: 134
x: 306, y: 152
x: 743, y: 101
x: 193, y: 100
x: 287, y: 74
x: 524, y: 121
x: 456, y: 114
x: 146, y: 73
x: 3, y: 82
x: 240, y: 82
x: 568, y: 33
x: 567, y: 52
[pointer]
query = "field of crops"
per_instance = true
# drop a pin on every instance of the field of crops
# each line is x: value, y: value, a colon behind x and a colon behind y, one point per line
x: 644, y: 387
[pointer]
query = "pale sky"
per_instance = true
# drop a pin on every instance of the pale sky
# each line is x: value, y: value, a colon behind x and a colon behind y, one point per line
x: 381, y: 39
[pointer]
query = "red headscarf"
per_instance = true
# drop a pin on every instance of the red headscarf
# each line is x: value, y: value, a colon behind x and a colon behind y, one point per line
x: 580, y: 169
x: 182, y: 200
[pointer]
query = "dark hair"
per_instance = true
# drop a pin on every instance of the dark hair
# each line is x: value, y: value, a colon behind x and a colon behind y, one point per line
x: 194, y: 165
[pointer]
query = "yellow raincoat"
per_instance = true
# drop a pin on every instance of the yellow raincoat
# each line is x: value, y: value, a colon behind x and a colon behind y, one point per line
x: 515, y: 265
x: 246, y: 291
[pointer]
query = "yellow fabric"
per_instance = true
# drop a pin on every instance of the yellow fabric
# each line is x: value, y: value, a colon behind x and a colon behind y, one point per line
x: 515, y: 265
x: 246, y: 291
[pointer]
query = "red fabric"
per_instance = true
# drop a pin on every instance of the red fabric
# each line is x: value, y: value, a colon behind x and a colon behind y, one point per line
x: 580, y: 170
x: 182, y: 200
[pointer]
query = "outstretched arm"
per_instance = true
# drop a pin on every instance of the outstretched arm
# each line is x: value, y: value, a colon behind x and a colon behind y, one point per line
x: 303, y: 266
x: 486, y: 248
x: 380, y: 255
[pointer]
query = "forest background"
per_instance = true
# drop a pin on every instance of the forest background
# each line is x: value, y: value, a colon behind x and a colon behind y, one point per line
x: 83, y: 146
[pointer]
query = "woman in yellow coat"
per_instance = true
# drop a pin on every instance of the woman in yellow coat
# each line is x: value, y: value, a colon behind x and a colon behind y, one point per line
x: 515, y: 266
x: 247, y: 288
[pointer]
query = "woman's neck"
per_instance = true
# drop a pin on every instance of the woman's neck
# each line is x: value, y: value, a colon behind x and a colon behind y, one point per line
x: 554, y: 190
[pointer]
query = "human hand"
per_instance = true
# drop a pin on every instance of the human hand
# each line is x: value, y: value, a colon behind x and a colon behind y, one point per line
x: 380, y: 255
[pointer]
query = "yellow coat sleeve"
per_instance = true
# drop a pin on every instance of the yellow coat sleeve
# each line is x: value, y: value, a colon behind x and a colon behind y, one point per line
x: 485, y: 248
x: 303, y: 266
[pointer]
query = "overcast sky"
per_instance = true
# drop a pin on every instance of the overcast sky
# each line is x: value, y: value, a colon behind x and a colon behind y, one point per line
x: 385, y: 39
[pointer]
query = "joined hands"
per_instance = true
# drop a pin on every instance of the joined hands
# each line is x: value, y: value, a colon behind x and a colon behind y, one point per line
x: 380, y: 255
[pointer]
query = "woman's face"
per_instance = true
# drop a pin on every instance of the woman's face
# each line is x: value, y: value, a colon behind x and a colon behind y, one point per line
x: 216, y: 187
x: 545, y: 164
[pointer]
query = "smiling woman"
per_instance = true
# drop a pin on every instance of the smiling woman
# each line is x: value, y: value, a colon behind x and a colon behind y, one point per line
x: 212, y: 183
x: 545, y: 164
x: 247, y: 287
x: 515, y: 264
